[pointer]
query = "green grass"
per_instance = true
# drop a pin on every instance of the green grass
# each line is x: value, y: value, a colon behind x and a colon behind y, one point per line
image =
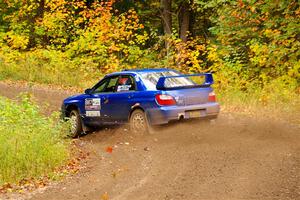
x: 48, y: 67
x: 31, y: 144
x: 275, y: 102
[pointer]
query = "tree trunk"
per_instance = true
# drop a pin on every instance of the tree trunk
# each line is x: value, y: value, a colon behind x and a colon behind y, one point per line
x: 40, y: 9
x: 39, y: 13
x: 192, y: 24
x: 184, y: 21
x: 166, y: 15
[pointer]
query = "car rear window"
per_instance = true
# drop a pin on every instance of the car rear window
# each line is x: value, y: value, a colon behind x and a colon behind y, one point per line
x: 150, y: 79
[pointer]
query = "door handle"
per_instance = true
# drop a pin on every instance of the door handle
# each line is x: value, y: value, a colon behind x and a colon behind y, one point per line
x: 105, y: 100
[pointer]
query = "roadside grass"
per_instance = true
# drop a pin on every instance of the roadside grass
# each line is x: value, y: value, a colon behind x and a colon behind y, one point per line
x: 31, y: 145
x: 273, y: 102
x: 48, y: 67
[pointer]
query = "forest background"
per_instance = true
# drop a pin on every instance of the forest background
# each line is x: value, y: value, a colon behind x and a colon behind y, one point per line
x: 251, y: 46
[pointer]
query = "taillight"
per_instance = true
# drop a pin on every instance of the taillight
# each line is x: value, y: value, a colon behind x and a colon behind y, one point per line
x: 212, y: 97
x: 165, y: 100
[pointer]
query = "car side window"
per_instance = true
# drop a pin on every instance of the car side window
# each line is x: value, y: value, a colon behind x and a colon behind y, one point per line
x: 126, y: 83
x: 107, y: 85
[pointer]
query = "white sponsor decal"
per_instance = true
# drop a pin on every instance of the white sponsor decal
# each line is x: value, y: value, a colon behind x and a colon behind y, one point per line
x: 92, y: 113
x: 123, y: 88
x: 93, y: 104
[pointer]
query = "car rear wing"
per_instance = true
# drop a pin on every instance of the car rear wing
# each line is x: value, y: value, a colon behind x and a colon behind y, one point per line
x: 208, y: 80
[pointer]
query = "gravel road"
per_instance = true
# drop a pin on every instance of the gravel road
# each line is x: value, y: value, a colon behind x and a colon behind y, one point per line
x: 232, y: 158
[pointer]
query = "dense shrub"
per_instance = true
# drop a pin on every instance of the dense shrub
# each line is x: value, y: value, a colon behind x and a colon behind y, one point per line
x: 31, y: 145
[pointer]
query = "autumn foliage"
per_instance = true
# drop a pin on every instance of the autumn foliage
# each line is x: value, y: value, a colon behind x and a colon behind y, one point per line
x: 250, y: 46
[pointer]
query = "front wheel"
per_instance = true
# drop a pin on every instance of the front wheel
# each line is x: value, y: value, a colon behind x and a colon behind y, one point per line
x: 138, y: 122
x: 75, y: 124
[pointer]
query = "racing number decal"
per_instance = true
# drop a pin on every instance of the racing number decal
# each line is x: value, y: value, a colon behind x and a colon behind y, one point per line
x: 122, y: 88
x: 92, y: 107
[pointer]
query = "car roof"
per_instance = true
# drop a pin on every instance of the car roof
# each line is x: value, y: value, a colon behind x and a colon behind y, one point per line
x: 140, y: 71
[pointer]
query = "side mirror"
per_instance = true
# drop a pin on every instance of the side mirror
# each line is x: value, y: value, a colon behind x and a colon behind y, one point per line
x: 88, y: 91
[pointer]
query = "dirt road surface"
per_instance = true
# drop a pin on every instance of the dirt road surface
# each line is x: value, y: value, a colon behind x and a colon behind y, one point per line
x: 233, y: 158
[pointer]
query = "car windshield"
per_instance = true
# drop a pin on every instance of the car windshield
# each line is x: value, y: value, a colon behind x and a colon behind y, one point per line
x: 150, y: 79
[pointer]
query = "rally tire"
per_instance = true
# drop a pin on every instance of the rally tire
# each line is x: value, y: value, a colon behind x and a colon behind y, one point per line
x: 138, y: 122
x: 75, y: 124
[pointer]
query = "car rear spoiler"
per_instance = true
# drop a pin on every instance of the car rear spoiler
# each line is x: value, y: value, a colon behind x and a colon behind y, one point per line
x: 208, y: 81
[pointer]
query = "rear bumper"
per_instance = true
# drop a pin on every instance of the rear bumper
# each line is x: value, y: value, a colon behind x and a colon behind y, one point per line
x: 165, y: 114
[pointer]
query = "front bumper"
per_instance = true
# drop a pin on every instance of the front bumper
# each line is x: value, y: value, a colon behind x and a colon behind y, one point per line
x: 165, y: 114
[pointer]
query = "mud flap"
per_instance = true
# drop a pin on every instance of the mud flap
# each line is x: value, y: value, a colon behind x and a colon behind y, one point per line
x: 85, y: 128
x: 150, y: 127
x: 155, y: 117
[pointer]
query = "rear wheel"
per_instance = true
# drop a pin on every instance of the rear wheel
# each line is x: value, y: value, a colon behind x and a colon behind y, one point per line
x: 138, y: 122
x: 75, y: 124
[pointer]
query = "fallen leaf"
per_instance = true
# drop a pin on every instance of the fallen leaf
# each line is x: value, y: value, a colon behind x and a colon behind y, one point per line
x: 105, y: 196
x: 109, y: 149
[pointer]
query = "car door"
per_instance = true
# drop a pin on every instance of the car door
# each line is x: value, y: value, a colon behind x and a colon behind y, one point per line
x: 123, y: 99
x: 97, y: 108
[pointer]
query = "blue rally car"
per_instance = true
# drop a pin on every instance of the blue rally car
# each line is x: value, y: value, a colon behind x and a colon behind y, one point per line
x: 141, y: 98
